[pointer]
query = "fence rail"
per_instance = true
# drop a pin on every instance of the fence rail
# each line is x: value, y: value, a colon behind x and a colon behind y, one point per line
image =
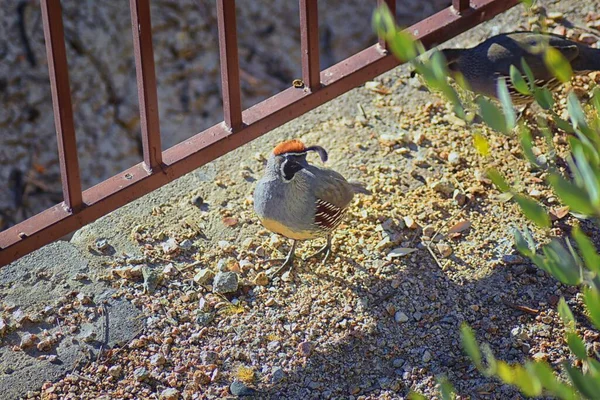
x: 239, y: 126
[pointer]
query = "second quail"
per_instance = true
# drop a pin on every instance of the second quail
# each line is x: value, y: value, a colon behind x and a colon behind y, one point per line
x: 302, y: 201
x: 482, y: 65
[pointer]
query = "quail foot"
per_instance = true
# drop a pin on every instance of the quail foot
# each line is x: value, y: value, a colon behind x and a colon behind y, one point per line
x: 302, y: 201
x: 482, y: 65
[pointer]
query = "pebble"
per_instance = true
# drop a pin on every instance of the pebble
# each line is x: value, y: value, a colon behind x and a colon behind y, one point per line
x: 444, y: 249
x: 277, y: 375
x: 170, y: 246
x: 203, y: 276
x: 115, y: 371
x: 197, y: 201
x: 443, y: 187
x: 261, y: 279
x: 247, y: 243
x: 400, y: 317
x: 209, y: 357
x: 169, y: 394
x: 306, y: 348
x: 409, y: 222
x: 101, y: 244
x: 27, y: 340
x: 141, y: 374
x: 459, y: 197
x: 158, y: 359
x: 417, y: 316
x: 186, y: 244
x: 238, y: 388
x: 429, y: 231
x: 397, y: 362
x: 225, y: 282
x: 454, y: 158
x: 426, y: 356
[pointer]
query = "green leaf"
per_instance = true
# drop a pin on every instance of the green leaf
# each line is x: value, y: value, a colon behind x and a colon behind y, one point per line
x: 518, y: 82
x: 576, y: 113
x: 529, y: 383
x: 402, y: 44
x: 559, y: 262
x: 591, y: 298
x: 522, y: 244
x: 529, y: 74
x: 505, y: 372
x: 571, y: 195
x: 481, y: 144
x: 507, y: 105
x: 498, y: 180
x: 587, y: 385
x: 383, y: 22
x: 492, y: 115
x: 576, y: 345
x: 565, y: 314
x: 527, y: 144
x: 533, y: 210
x: 470, y: 345
x: 549, y: 381
x: 561, y: 123
x: 446, y: 389
x: 544, y: 98
x: 416, y: 396
x: 595, y: 100
x: 587, y: 249
x: 590, y: 179
x: 558, y: 64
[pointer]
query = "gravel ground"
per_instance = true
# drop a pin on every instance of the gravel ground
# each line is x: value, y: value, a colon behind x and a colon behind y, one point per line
x: 103, y: 84
x: 373, y: 323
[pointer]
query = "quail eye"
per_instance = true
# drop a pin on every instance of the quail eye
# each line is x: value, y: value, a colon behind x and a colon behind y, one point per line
x: 289, y: 168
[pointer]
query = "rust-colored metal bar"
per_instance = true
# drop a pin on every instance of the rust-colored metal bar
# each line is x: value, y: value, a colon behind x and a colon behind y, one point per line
x: 58, y: 70
x: 141, y: 27
x: 460, y: 5
x: 391, y: 5
x: 206, y: 146
x: 230, y: 66
x: 309, y: 44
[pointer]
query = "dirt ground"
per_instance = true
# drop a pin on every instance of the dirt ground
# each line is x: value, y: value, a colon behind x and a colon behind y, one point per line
x: 368, y: 324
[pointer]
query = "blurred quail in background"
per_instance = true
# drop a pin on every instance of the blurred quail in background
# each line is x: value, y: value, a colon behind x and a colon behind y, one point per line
x: 485, y: 63
x: 302, y: 201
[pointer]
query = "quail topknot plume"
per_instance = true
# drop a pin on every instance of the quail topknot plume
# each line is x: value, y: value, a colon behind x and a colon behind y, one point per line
x: 485, y: 63
x: 302, y: 201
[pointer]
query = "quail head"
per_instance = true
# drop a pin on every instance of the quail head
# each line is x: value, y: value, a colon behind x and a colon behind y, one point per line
x: 482, y: 65
x: 302, y: 201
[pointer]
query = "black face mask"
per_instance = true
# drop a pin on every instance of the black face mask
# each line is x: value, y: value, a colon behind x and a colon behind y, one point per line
x: 289, y: 168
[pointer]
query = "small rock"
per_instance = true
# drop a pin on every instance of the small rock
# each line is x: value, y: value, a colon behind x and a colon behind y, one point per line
x: 397, y: 362
x: 170, y: 246
x: 555, y: 15
x: 306, y: 348
x: 261, y: 279
x: 224, y: 244
x: 205, y: 318
x: 519, y: 333
x: 238, y: 388
x: 429, y: 231
x: 203, y: 276
x: 588, y: 38
x: 426, y: 356
x: 169, y: 394
x: 197, y: 201
x: 246, y: 265
x: 417, y: 316
x: 158, y: 359
x: 225, y: 282
x: 274, y: 345
x: 209, y: 357
x: 536, y: 194
x: 101, y: 244
x: 27, y: 340
x: 186, y: 244
x: 247, y: 243
x: 459, y: 197
x: 444, y: 249
x: 443, y: 187
x: 44, y: 345
x: 3, y: 326
x: 270, y: 302
x: 512, y: 259
x: 453, y: 158
x: 130, y: 272
x: 115, y: 371
x: 400, y: 317
x: 141, y: 374
x: 540, y: 356
x: 277, y: 375
x: 260, y: 251
x: 409, y: 222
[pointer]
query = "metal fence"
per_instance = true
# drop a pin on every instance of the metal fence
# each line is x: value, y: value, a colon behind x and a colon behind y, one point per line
x: 239, y: 126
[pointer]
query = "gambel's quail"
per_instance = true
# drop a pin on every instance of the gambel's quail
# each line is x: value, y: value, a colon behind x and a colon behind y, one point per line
x: 484, y: 64
x: 302, y: 201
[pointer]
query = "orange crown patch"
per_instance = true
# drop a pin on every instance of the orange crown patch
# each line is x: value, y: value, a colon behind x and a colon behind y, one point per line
x: 289, y: 146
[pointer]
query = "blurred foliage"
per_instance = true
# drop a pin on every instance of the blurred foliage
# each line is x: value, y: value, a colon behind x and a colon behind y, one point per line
x: 573, y: 261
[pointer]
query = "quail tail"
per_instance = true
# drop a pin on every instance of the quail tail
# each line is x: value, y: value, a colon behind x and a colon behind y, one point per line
x: 359, y: 187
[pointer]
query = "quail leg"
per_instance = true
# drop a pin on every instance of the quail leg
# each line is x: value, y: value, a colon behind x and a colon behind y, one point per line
x: 326, y: 250
x: 288, y: 261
